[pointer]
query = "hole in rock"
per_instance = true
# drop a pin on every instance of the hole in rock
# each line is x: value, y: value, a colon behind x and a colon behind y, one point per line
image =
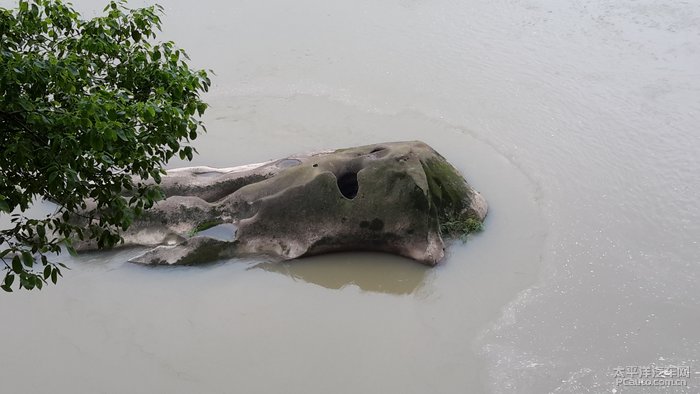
x: 222, y: 232
x: 286, y: 163
x: 347, y: 183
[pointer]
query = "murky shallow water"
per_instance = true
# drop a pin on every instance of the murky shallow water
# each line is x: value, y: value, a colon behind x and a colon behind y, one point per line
x: 576, y: 120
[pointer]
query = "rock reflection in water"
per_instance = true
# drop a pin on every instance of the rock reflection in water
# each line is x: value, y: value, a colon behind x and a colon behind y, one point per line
x: 372, y: 272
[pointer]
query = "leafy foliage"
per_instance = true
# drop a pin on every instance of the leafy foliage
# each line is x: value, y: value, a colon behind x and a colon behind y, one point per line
x: 455, y: 226
x: 89, y: 109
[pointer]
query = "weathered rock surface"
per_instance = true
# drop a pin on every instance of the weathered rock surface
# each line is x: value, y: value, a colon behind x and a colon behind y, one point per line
x: 392, y: 197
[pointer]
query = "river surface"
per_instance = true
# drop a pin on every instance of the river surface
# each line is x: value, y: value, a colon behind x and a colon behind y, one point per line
x: 577, y: 120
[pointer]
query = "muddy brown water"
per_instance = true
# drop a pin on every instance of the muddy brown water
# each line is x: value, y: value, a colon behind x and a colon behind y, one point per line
x: 576, y: 120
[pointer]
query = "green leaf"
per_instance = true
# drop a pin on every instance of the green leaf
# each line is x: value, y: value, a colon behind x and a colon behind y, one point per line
x: 27, y: 259
x: 71, y: 250
x: 17, y: 265
x: 121, y: 135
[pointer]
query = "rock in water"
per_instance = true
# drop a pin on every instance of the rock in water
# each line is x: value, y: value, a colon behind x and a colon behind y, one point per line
x: 399, y: 197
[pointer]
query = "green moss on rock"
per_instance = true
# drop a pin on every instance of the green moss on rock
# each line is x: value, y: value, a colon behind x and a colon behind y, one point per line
x: 450, y: 195
x: 448, y: 190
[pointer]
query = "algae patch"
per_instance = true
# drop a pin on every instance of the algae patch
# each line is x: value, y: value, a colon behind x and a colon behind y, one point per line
x: 450, y: 196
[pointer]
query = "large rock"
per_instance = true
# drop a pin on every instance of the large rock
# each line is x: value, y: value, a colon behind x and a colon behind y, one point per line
x: 399, y: 197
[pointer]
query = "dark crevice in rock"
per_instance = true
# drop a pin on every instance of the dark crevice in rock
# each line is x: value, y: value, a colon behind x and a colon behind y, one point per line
x: 347, y: 183
x: 379, y: 152
x: 214, y: 191
x: 232, y: 186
